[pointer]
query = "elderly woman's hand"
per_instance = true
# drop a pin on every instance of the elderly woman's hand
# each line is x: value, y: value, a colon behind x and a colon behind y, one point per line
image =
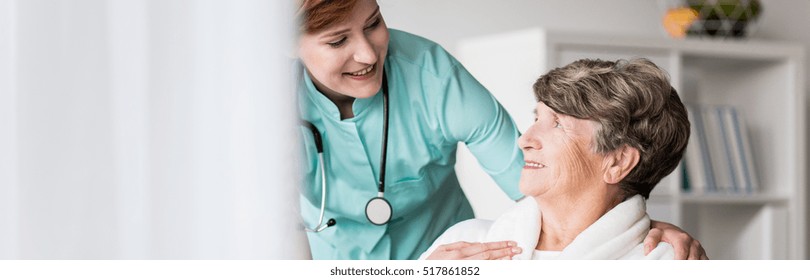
x: 501, y: 250
x: 684, y: 245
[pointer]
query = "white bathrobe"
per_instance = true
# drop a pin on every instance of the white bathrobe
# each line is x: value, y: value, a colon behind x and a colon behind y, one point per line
x: 619, y: 234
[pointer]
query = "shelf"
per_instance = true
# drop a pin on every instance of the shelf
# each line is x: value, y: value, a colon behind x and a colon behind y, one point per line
x: 751, y: 199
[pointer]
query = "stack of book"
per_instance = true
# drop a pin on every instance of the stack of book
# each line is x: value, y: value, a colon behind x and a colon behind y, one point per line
x: 718, y: 157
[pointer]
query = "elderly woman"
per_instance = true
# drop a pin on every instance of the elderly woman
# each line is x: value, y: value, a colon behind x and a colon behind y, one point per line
x: 605, y: 133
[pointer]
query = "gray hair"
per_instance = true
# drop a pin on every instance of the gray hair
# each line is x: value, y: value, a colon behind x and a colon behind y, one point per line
x: 633, y: 103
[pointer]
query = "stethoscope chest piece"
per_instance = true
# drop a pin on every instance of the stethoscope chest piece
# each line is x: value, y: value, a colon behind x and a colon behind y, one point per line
x: 378, y: 211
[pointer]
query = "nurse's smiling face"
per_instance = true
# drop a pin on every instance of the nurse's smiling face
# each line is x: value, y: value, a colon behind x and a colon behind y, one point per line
x: 345, y: 60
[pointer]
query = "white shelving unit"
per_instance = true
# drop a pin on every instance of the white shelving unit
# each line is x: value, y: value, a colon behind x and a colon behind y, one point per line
x: 763, y: 80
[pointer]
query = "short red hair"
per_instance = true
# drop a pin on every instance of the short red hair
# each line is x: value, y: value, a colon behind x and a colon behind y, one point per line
x: 317, y: 15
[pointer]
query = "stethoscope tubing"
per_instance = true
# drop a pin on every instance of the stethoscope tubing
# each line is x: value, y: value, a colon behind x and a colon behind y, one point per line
x: 384, y: 152
x: 319, y: 147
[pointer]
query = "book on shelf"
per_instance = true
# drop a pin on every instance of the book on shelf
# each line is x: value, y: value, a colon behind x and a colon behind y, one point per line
x: 718, y: 158
x: 743, y: 161
x: 698, y: 173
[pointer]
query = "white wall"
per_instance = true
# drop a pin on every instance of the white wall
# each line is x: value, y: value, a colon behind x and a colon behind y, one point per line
x: 147, y: 130
x: 9, y: 218
x: 448, y: 21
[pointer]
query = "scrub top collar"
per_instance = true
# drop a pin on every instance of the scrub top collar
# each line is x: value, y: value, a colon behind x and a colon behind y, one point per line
x: 328, y: 108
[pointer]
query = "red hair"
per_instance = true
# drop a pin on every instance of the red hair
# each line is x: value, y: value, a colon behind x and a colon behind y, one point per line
x: 317, y: 15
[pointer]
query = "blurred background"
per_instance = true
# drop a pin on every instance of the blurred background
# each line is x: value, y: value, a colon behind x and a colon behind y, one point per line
x: 165, y: 129
x: 147, y: 130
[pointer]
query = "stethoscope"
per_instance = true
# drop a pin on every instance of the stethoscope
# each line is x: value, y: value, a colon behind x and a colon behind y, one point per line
x: 378, y: 209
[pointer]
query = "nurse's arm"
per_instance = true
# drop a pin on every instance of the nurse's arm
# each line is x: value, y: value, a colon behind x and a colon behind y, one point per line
x: 501, y: 250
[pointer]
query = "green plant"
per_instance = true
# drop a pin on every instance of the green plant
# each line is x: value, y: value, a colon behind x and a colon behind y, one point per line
x: 731, y: 9
x: 724, y: 17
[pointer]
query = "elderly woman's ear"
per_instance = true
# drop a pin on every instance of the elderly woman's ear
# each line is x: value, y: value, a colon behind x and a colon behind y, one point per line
x: 619, y: 163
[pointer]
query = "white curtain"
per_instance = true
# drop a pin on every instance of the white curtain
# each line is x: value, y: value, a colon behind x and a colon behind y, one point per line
x: 148, y: 129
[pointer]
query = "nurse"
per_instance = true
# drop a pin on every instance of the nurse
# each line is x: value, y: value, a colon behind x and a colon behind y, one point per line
x: 387, y: 109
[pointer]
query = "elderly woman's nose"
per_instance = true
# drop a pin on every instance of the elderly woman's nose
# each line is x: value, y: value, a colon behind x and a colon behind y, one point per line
x: 529, y: 140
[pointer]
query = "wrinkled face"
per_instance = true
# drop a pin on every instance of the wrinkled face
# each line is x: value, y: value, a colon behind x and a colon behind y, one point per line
x: 346, y: 60
x: 559, y: 154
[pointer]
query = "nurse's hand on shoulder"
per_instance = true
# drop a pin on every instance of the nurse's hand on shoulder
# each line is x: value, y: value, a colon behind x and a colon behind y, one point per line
x: 501, y: 250
x: 686, y: 247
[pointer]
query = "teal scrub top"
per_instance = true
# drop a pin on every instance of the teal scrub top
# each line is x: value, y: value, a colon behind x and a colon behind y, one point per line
x: 434, y: 104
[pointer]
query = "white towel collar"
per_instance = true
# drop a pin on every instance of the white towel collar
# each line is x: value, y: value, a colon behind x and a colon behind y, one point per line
x: 612, y: 236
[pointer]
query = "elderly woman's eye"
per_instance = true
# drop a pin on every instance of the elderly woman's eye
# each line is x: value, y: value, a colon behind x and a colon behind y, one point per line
x: 557, y: 124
